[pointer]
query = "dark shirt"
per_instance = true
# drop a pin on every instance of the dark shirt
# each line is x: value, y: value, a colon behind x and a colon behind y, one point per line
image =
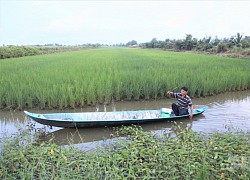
x: 183, y: 103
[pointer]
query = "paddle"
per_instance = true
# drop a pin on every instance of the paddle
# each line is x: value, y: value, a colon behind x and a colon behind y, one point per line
x: 175, y: 88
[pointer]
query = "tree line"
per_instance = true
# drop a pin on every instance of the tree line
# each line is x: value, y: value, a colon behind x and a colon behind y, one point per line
x: 236, y: 43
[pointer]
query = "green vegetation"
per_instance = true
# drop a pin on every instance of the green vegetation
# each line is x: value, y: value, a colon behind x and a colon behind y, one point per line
x: 76, y: 79
x: 181, y: 155
x: 21, y: 51
x: 225, y: 46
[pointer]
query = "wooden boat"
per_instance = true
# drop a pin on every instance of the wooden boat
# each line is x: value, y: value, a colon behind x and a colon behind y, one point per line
x: 95, y: 119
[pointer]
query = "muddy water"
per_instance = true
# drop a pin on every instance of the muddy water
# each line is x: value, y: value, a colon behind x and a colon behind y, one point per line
x: 225, y: 111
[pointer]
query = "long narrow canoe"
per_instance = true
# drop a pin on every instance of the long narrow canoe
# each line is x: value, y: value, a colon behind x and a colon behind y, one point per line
x: 95, y: 119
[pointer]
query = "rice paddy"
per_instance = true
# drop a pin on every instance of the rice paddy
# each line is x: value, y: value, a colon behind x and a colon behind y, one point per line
x: 76, y: 79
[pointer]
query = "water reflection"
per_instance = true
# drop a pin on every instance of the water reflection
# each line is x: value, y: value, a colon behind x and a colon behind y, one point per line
x: 229, y: 109
x: 76, y: 136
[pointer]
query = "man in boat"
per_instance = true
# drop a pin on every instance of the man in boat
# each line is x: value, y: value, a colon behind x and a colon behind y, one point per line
x: 184, y: 101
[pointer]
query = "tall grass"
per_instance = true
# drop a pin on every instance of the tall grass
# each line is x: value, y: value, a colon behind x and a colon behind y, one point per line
x: 86, y: 77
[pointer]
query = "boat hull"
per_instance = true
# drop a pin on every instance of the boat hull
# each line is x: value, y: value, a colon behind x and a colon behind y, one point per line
x: 97, y: 119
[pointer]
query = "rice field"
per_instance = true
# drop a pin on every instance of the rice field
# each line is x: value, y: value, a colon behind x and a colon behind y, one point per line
x: 76, y: 79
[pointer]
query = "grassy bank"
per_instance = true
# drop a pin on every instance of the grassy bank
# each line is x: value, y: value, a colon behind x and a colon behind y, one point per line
x: 182, y: 155
x: 21, y: 51
x: 75, y: 79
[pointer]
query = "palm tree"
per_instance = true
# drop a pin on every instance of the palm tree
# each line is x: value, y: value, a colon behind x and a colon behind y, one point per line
x: 238, y: 38
x: 188, y: 42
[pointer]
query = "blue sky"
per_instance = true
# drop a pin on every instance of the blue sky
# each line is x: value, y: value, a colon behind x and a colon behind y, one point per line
x: 108, y: 22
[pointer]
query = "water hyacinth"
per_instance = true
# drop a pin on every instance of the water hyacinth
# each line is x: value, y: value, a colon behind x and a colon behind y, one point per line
x: 75, y: 79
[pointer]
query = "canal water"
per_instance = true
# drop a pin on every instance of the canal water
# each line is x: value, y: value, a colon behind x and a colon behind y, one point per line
x: 228, y: 111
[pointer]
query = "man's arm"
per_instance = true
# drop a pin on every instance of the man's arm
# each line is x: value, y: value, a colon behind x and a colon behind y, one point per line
x: 170, y: 92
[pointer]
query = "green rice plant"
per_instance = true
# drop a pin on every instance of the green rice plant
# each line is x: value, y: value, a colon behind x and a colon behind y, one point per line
x: 156, y: 86
x: 135, y: 82
x: 117, y: 89
x: 79, y: 78
x: 79, y: 96
x: 108, y: 90
x: 19, y: 98
x: 129, y: 91
x: 91, y: 95
x: 100, y: 92
x: 146, y: 89
x: 71, y: 97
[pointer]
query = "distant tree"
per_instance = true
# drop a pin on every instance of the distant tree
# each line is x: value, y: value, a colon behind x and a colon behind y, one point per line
x: 179, y: 45
x: 221, y: 47
x: 208, y: 44
x: 246, y: 42
x: 148, y: 45
x: 231, y: 42
x: 237, y: 39
x: 131, y: 43
x: 96, y: 45
x: 153, y: 42
x: 215, y: 41
x: 195, y: 42
x: 188, y: 42
x: 142, y: 45
x: 247, y: 38
x: 204, y: 44
x: 159, y: 44
x: 168, y: 44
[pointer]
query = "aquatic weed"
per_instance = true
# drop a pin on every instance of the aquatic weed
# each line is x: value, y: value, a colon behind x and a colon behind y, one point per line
x: 143, y: 155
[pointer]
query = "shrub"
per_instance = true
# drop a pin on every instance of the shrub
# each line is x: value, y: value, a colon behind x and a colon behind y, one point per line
x: 221, y: 47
